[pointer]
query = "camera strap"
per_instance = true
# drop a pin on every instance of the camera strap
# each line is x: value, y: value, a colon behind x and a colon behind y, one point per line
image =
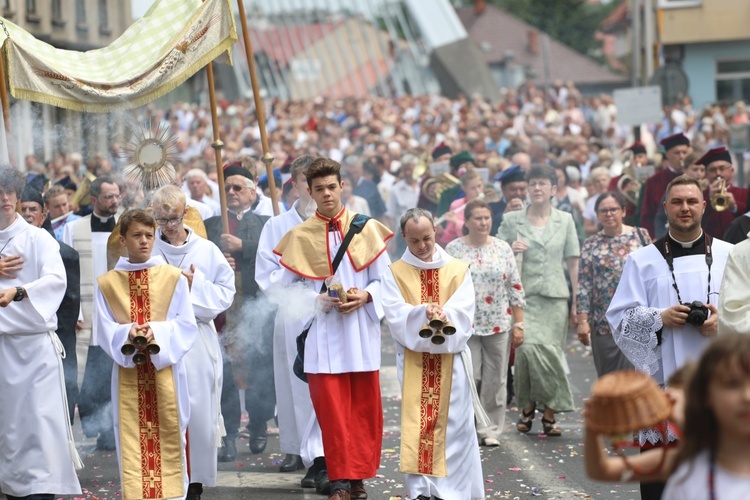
x: 669, y: 257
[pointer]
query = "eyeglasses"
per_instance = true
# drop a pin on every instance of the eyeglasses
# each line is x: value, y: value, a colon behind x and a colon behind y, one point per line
x: 540, y: 184
x: 169, y: 222
x: 607, y: 211
x: 233, y: 187
x: 722, y: 168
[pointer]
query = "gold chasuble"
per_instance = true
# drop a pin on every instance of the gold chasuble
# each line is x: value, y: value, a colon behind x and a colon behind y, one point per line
x: 150, y: 440
x: 301, y: 249
x: 427, y: 377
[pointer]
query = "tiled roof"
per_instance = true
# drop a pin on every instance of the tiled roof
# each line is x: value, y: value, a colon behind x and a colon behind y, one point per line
x: 497, y: 32
x: 281, y: 43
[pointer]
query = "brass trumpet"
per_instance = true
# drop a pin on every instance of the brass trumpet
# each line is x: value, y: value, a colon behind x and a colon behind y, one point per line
x: 720, y: 200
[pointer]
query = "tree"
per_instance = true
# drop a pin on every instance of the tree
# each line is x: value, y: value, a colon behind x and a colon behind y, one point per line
x: 573, y: 22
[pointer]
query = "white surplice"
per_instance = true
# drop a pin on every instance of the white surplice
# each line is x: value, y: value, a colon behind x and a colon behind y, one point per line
x: 211, y: 293
x: 645, y: 290
x: 175, y: 337
x: 37, y: 453
x: 463, y: 463
x: 734, y: 299
x: 343, y: 343
x: 299, y: 431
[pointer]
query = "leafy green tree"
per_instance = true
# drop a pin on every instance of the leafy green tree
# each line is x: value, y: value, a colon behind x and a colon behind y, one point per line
x: 573, y: 22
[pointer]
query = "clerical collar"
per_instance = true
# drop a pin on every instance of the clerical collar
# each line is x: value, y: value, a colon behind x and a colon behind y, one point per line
x: 686, y: 244
x: 103, y: 220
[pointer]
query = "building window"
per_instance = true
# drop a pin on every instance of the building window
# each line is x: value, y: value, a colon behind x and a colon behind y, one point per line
x: 57, y: 15
x: 733, y: 80
x: 30, y: 6
x: 103, y: 15
x: 81, y: 13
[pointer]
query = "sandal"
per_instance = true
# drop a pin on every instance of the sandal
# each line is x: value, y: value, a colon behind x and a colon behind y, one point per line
x: 524, y: 423
x: 550, y: 428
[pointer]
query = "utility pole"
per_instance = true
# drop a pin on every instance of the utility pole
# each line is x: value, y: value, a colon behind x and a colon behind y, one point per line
x: 635, y: 51
x: 648, y: 31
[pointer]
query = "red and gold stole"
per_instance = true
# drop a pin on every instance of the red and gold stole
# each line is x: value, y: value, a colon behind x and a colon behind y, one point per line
x: 427, y: 377
x: 150, y: 439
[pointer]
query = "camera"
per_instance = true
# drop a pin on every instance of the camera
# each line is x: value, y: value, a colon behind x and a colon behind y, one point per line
x: 698, y: 313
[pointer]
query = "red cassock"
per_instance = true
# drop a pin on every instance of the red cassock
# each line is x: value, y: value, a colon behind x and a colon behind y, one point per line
x: 716, y: 223
x: 656, y: 186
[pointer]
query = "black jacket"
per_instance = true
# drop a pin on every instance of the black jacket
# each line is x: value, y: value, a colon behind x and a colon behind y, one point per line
x: 249, y: 232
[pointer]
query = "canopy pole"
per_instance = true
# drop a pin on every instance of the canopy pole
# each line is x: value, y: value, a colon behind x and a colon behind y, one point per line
x: 4, y: 99
x: 267, y: 158
x: 217, y: 144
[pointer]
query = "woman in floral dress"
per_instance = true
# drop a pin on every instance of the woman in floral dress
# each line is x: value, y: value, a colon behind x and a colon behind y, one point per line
x: 498, y: 318
x: 602, y: 258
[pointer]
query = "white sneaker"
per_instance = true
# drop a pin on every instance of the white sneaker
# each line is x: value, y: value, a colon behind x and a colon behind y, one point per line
x: 490, y: 441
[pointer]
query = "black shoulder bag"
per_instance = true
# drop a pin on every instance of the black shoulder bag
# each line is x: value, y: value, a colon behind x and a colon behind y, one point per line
x: 358, y: 223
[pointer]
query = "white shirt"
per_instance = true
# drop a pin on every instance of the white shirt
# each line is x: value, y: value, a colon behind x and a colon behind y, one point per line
x: 690, y: 482
x: 343, y: 343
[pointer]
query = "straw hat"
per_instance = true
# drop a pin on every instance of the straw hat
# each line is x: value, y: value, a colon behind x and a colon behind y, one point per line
x: 625, y: 401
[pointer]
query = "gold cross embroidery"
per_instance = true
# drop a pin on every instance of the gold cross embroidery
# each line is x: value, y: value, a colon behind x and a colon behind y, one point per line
x: 150, y: 430
x: 426, y: 443
x: 152, y: 480
x: 430, y: 396
x: 138, y: 287
x: 148, y: 383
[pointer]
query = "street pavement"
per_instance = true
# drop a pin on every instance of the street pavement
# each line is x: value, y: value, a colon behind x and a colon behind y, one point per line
x: 523, y: 466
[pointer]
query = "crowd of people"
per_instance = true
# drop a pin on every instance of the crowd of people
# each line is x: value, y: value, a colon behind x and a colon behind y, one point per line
x: 479, y: 232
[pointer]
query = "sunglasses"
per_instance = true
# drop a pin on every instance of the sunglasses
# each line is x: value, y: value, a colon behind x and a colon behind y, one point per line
x: 233, y: 187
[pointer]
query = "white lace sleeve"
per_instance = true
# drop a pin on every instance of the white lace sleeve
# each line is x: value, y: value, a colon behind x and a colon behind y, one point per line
x: 637, y: 338
x: 655, y: 436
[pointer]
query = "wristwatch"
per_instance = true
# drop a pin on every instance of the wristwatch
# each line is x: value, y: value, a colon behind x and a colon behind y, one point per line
x: 20, y: 294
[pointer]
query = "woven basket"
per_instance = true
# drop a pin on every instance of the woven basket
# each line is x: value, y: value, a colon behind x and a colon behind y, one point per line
x: 625, y: 401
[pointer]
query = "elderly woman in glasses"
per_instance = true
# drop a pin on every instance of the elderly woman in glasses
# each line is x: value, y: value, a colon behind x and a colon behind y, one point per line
x: 602, y: 259
x: 546, y: 238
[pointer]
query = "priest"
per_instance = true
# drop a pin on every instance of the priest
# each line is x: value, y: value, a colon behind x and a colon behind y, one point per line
x: 342, y: 352
x: 299, y: 431
x: 663, y: 313
x: 211, y: 282
x: 37, y: 452
x: 647, y: 315
x: 439, y: 450
x: 143, y: 296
